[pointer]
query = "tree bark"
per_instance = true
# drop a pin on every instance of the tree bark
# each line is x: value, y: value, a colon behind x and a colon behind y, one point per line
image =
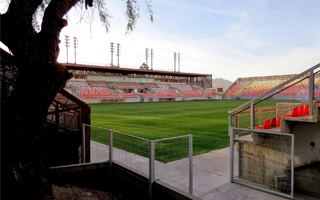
x: 40, y: 77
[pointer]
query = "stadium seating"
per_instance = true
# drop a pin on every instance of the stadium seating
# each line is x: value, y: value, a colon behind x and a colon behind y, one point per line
x: 84, y: 90
x: 165, y: 91
x: 306, y: 110
x: 266, y: 124
x: 298, y: 111
x: 256, y: 86
x: 128, y: 90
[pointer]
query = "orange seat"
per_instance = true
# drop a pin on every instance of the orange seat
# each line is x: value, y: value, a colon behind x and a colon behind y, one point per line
x: 306, y: 110
x: 300, y: 110
x: 266, y: 124
x: 294, y: 113
x: 278, y: 123
x: 273, y: 122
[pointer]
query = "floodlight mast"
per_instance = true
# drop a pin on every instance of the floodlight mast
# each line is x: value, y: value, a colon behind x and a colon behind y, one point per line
x: 75, y: 44
x: 111, y: 51
x: 179, y: 62
x: 147, y: 56
x: 175, y: 61
x: 151, y: 59
x: 67, y: 44
x: 118, y: 53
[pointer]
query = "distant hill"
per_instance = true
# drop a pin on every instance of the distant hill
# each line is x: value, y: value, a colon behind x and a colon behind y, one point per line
x: 221, y: 83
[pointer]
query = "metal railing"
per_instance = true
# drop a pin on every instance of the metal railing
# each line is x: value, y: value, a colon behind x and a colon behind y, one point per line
x: 154, y: 159
x: 178, y: 149
x: 255, y: 144
x: 263, y: 160
x: 306, y: 76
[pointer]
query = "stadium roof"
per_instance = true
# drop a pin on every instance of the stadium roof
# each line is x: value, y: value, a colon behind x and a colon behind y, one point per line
x: 128, y: 70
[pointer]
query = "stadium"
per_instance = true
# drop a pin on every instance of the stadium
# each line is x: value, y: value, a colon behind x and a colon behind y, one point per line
x: 178, y: 113
x: 77, y: 124
x: 170, y: 135
x: 100, y: 84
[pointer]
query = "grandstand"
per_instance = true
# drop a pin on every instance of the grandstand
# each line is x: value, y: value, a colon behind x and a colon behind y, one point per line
x: 102, y: 84
x: 247, y: 88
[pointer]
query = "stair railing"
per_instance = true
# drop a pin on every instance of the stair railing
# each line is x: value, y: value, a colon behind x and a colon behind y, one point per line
x: 307, y: 74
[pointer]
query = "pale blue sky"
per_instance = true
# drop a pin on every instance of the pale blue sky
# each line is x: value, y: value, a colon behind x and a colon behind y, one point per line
x: 226, y: 38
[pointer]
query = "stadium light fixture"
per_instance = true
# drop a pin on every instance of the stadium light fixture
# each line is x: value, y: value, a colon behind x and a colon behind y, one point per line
x: 118, y: 53
x: 175, y: 61
x: 111, y: 50
x: 151, y: 59
x: 179, y: 62
x: 147, y: 55
x: 67, y: 44
x: 75, y: 44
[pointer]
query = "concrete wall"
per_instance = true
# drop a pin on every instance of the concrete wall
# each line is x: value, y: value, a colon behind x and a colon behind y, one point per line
x: 265, y: 166
x: 307, y: 143
x: 261, y: 162
x: 307, y: 179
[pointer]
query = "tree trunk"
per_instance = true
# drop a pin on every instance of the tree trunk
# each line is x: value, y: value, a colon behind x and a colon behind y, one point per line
x: 23, y: 137
x: 39, y: 77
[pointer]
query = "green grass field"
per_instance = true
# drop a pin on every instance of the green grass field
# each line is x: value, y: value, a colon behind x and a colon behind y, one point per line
x: 206, y: 120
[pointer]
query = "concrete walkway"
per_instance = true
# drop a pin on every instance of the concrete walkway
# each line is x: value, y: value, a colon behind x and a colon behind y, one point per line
x: 210, y: 174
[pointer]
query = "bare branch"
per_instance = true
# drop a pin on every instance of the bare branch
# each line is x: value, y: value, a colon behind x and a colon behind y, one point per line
x: 132, y: 14
x: 103, y: 13
x: 149, y: 8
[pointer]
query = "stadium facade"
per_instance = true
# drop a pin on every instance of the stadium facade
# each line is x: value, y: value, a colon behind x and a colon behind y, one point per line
x: 103, y: 84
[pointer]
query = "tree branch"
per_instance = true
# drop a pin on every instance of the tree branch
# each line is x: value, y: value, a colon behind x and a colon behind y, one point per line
x: 17, y: 29
x: 52, y: 24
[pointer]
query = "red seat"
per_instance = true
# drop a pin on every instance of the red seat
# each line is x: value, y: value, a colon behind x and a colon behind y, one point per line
x: 266, y: 124
x: 278, y: 123
x: 300, y: 111
x: 306, y: 110
x: 273, y: 122
x: 294, y: 113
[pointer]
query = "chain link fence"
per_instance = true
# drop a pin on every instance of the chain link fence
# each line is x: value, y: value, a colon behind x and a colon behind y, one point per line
x: 174, y: 159
x: 160, y: 160
x: 263, y: 160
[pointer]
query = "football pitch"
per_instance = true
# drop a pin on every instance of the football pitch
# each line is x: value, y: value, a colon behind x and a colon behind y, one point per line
x: 207, y: 121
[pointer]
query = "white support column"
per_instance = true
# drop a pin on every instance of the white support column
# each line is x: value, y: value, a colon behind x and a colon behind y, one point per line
x: 311, y: 91
x: 252, y: 116
x: 190, y: 165
x: 231, y: 135
x: 151, y: 166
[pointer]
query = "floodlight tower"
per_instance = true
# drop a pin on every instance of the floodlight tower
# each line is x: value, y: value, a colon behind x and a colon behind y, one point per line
x: 67, y: 44
x: 175, y: 60
x: 111, y: 50
x: 179, y: 62
x: 75, y: 44
x: 147, y: 56
x: 118, y: 53
x: 151, y: 59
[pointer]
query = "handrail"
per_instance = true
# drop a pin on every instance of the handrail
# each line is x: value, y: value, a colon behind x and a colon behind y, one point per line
x: 271, y: 92
x: 118, y: 132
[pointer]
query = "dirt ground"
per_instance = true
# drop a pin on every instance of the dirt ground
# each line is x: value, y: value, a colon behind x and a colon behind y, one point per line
x: 69, y: 192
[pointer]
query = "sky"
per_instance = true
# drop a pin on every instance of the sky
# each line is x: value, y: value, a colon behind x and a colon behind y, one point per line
x: 228, y: 39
